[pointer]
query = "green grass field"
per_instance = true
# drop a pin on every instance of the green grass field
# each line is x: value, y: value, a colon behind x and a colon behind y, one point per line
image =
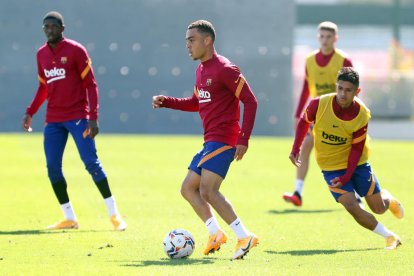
x: 145, y: 173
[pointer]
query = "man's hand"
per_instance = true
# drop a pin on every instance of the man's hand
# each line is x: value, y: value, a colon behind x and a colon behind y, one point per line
x: 92, y: 130
x: 157, y: 101
x: 26, y: 122
x: 294, y: 158
x: 240, y: 151
x: 336, y: 182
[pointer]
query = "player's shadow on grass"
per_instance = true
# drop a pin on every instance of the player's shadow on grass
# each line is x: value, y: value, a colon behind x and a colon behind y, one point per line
x: 171, y: 262
x: 302, y: 211
x: 45, y: 231
x: 317, y: 251
x: 26, y: 232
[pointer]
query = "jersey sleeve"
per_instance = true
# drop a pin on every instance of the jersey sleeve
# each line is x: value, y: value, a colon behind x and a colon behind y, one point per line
x: 41, y: 93
x: 308, y: 117
x: 189, y: 104
x: 235, y: 82
x: 84, y: 67
x: 347, y: 63
x: 304, y: 96
x: 358, y: 143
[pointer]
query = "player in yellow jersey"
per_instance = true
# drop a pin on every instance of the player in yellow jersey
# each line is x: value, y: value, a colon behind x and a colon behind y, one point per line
x: 341, y: 150
x: 321, y: 68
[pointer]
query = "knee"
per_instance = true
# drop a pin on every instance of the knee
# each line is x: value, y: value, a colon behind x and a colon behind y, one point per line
x: 378, y: 209
x: 185, y: 192
x: 95, y: 169
x: 207, y: 194
x: 55, y: 173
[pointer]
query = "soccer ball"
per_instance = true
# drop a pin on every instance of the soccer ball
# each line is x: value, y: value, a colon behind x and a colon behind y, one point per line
x: 178, y: 244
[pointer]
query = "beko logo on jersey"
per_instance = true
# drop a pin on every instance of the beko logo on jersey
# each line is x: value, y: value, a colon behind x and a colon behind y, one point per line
x: 55, y: 74
x: 204, y: 96
x: 333, y: 139
x: 325, y: 88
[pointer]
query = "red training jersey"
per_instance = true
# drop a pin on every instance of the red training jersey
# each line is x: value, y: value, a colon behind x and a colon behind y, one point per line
x: 67, y: 81
x: 322, y: 60
x: 218, y: 90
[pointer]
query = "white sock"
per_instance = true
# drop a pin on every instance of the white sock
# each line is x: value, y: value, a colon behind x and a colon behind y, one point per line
x: 299, y: 185
x: 212, y: 225
x: 111, y: 205
x: 68, y: 211
x: 239, y: 229
x: 383, y: 231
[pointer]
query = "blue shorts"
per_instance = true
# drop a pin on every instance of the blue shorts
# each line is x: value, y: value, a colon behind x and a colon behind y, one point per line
x: 363, y: 181
x: 215, y: 157
x: 55, y: 138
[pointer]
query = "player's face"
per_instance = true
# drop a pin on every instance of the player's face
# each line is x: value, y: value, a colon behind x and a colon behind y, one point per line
x: 53, y: 30
x: 196, y: 44
x: 326, y: 39
x: 345, y: 93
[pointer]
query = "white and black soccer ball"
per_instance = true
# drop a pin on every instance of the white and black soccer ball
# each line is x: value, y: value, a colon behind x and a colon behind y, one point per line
x: 179, y: 243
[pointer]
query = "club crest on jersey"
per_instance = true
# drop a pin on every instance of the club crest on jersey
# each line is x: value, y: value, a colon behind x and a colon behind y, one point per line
x: 63, y: 60
x: 208, y: 82
x: 203, y: 96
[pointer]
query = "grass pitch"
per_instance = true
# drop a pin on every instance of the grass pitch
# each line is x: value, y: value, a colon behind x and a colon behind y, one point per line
x: 145, y: 174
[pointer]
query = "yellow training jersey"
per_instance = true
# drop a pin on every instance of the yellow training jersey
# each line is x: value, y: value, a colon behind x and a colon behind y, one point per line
x: 333, y: 136
x: 322, y: 80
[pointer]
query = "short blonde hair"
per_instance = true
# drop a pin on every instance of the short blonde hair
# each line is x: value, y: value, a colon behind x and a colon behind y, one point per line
x: 328, y: 26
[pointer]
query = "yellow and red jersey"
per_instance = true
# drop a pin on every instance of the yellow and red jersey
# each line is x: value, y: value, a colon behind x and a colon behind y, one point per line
x: 334, y: 136
x: 321, y: 72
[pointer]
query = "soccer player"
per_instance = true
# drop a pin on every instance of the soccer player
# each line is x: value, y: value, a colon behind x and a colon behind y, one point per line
x: 218, y: 90
x: 67, y: 81
x: 321, y: 68
x: 341, y: 150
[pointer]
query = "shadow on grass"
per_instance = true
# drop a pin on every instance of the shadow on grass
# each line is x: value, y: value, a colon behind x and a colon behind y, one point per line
x: 171, y: 262
x: 47, y: 232
x: 317, y: 251
x: 301, y: 211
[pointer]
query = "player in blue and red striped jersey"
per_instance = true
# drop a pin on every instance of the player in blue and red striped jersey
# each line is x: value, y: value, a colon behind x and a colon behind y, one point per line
x: 218, y: 90
x: 341, y: 150
x: 67, y: 81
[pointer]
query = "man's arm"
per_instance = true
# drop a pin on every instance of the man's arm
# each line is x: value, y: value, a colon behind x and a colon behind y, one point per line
x: 38, y: 100
x: 84, y: 67
x: 235, y: 82
x: 189, y: 104
x: 302, y: 129
x: 304, y: 96
x: 358, y: 143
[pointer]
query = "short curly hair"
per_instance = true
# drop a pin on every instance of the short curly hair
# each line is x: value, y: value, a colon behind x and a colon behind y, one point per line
x: 203, y: 26
x: 348, y: 74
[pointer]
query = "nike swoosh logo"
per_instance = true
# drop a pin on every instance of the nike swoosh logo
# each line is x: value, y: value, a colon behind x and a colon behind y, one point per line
x: 78, y: 122
x: 370, y: 178
x: 248, y: 245
x: 334, y: 126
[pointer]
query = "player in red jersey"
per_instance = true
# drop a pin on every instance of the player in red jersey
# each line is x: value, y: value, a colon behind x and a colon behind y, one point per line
x: 218, y: 90
x: 321, y: 68
x: 67, y: 81
x: 341, y: 150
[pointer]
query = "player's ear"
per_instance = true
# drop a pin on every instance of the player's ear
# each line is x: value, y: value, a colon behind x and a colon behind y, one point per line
x: 208, y: 40
x: 63, y: 28
x: 358, y: 90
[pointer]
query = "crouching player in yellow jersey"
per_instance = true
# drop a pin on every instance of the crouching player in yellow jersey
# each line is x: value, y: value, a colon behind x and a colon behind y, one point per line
x: 341, y: 150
